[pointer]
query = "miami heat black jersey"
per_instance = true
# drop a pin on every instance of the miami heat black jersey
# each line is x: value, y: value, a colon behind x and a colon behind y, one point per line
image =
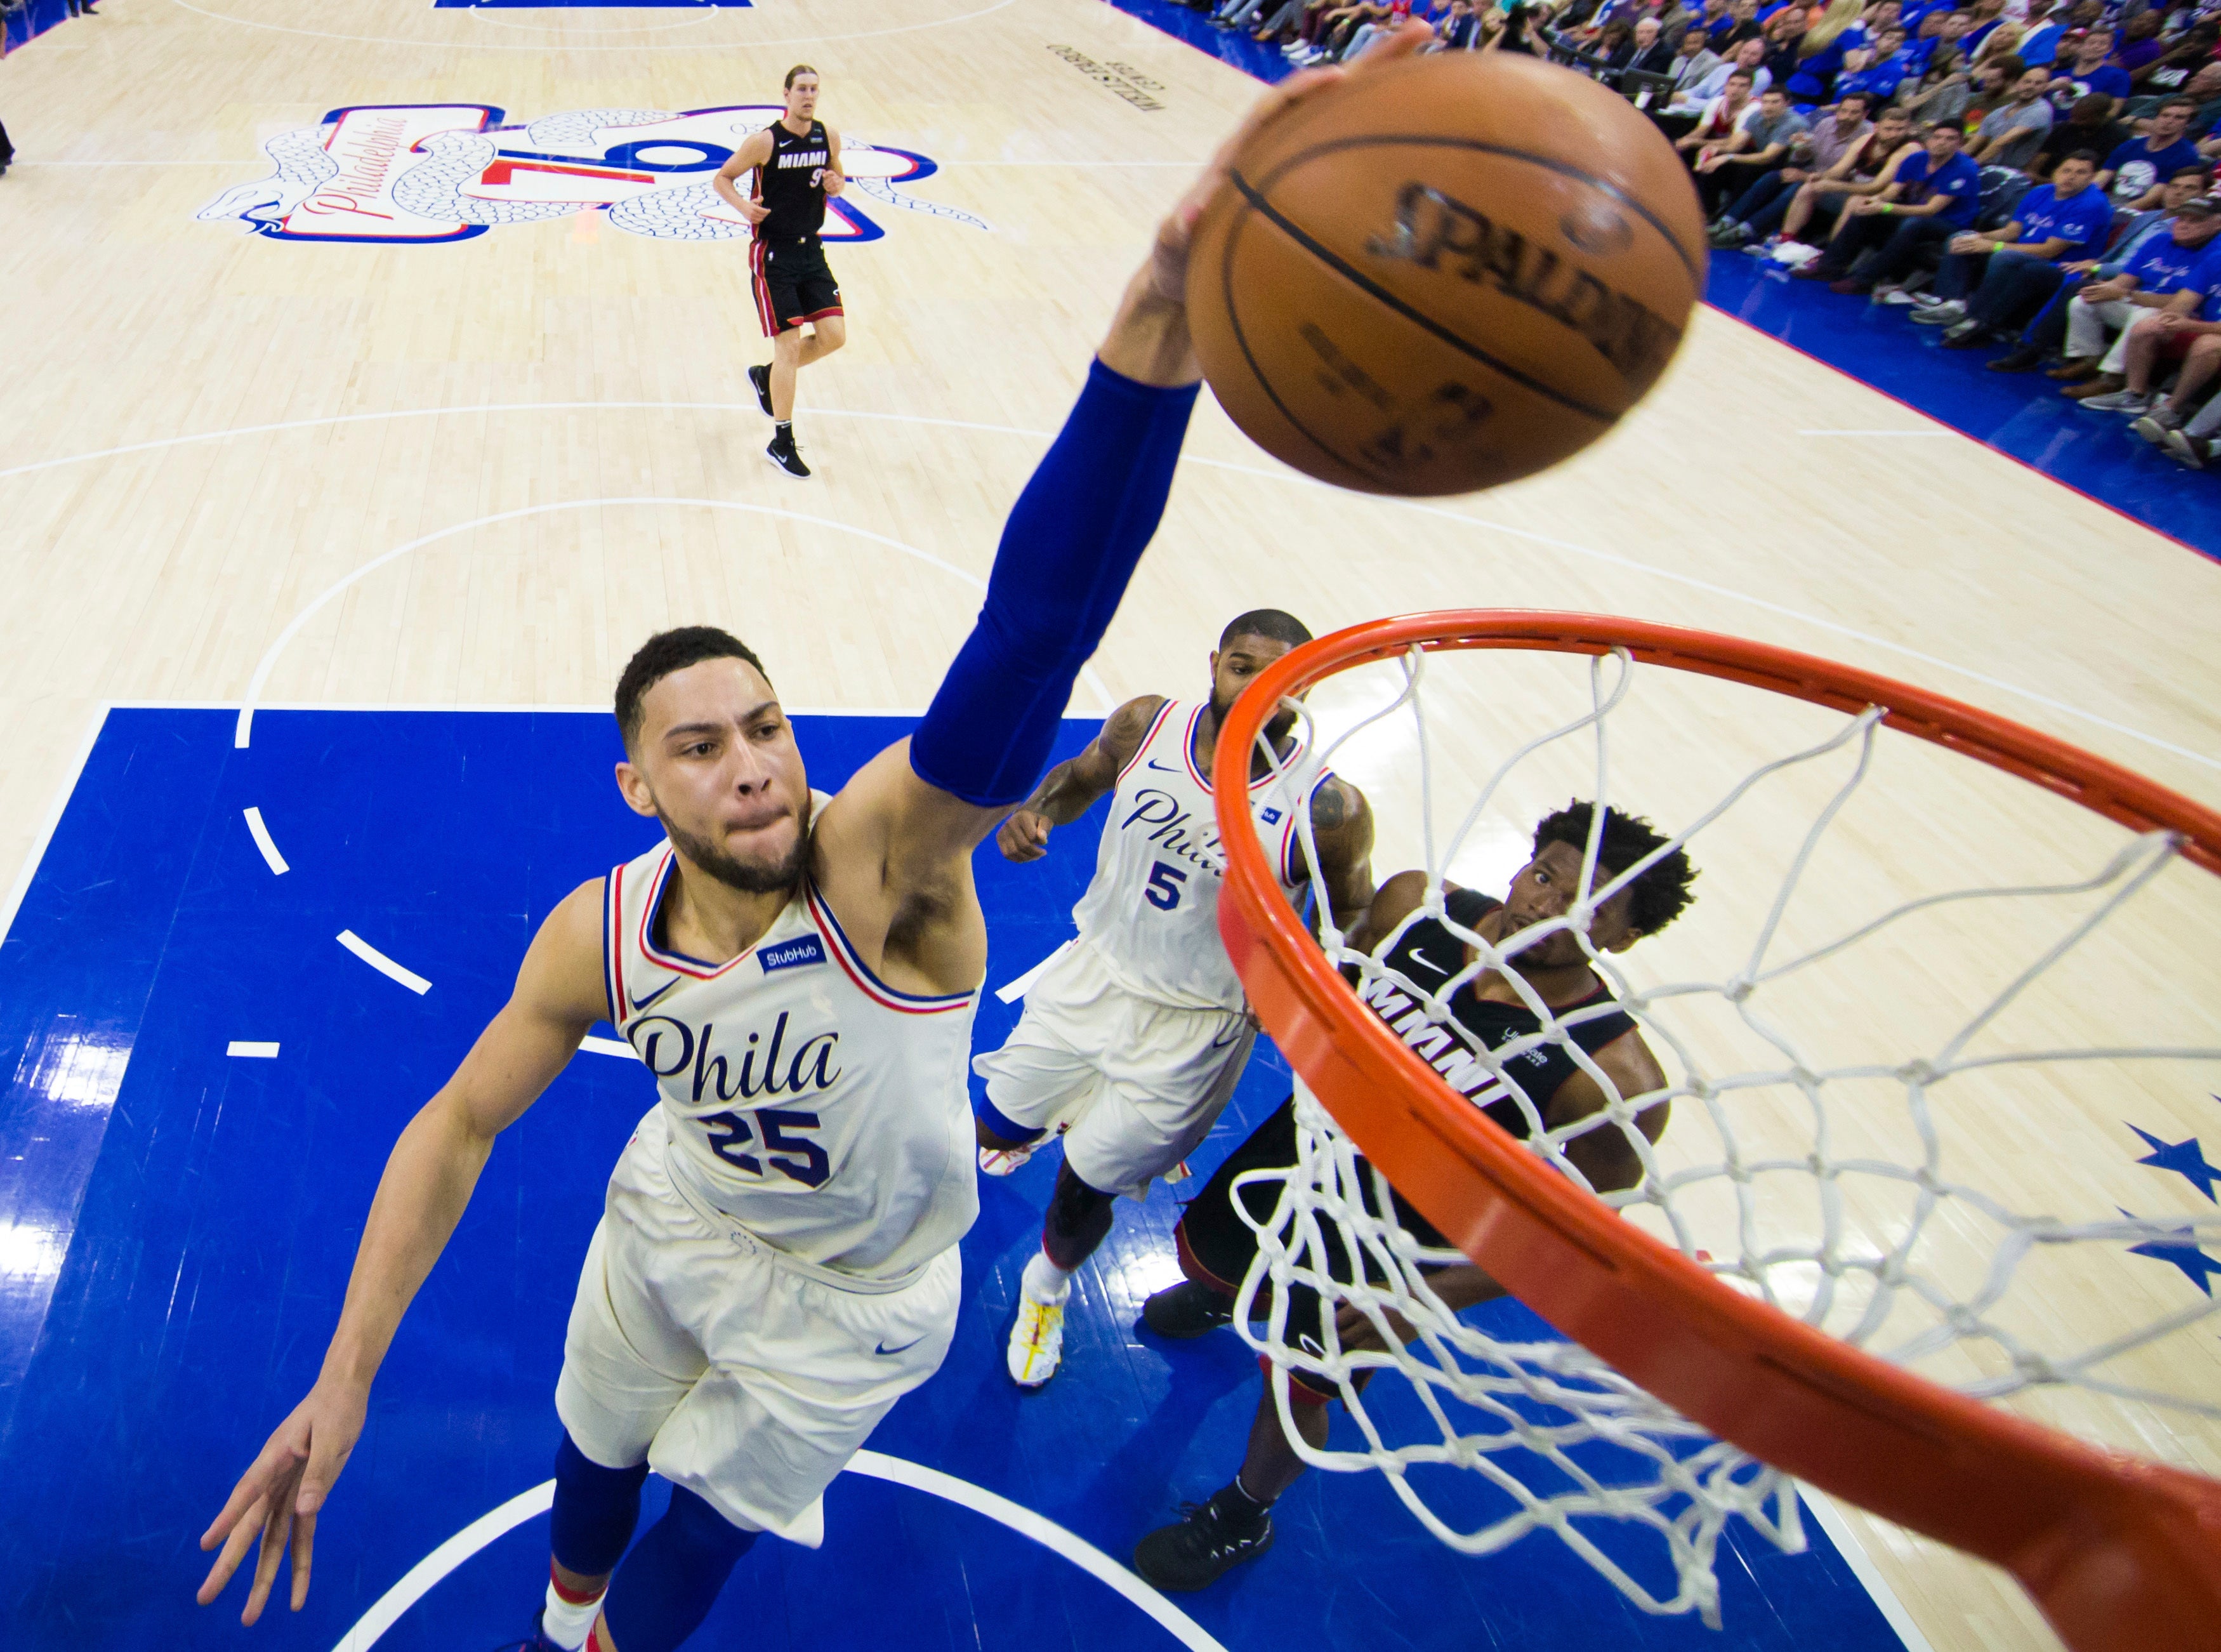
x: 792, y: 185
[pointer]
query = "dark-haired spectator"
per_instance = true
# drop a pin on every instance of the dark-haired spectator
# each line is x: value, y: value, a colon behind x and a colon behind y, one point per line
x: 1742, y: 24
x: 2139, y: 48
x: 1988, y: 86
x: 1940, y: 33
x: 1693, y: 59
x: 1993, y: 282
x: 2046, y: 334
x: 1784, y: 37
x: 2086, y: 70
x: 1759, y: 144
x: 2162, y: 269
x: 1867, y: 170
x: 2134, y: 171
x: 2011, y: 132
x: 1932, y: 196
x: 2186, y: 328
x: 1717, y: 126
x: 1759, y: 211
x: 2088, y: 125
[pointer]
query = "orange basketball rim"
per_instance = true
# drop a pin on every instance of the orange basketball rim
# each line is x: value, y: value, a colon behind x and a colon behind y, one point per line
x: 2123, y: 1556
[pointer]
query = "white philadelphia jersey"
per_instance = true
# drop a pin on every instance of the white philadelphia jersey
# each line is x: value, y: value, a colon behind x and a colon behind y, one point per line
x: 1152, y: 912
x: 806, y: 1100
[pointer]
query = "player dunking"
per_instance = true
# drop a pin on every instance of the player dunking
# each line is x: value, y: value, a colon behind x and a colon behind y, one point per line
x: 775, y: 1265
x: 795, y: 161
x: 1136, y: 1035
x: 1216, y: 1244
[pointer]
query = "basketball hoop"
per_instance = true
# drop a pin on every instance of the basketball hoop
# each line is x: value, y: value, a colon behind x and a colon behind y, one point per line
x: 2122, y: 1554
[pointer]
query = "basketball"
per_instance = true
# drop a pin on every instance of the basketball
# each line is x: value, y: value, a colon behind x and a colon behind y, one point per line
x: 1450, y: 273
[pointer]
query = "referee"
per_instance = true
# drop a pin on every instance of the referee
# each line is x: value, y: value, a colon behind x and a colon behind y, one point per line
x: 794, y: 164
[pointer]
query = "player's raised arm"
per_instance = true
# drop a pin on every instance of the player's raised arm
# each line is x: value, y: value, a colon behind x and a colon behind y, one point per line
x: 1069, y: 789
x: 428, y: 1181
x: 1070, y: 545
x: 1342, y: 831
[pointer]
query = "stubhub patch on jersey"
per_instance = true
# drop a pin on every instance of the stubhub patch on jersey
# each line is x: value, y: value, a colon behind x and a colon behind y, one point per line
x: 802, y: 950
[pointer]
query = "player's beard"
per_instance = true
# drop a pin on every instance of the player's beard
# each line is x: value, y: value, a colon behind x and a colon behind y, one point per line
x: 759, y: 878
x: 1276, y: 729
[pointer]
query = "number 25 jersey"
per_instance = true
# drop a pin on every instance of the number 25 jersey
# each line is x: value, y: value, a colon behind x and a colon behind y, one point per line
x: 1152, y: 912
x: 806, y: 1100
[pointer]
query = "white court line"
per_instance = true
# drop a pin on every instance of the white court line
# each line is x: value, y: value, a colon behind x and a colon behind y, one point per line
x: 1830, y: 1519
x: 544, y: 47
x: 248, y: 1046
x: 54, y: 819
x: 244, y: 733
x: 384, y: 965
x: 1017, y: 989
x: 262, y: 841
x: 419, y: 1580
x: 594, y: 1046
x: 2063, y: 707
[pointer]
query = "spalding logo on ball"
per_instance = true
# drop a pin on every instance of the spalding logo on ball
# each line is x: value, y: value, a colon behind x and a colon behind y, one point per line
x: 1449, y: 273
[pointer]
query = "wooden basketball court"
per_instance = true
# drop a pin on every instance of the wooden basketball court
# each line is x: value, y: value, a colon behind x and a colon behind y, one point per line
x: 267, y: 471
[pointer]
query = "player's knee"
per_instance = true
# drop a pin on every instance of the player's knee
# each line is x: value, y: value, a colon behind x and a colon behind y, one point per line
x: 595, y: 1509
x: 832, y: 333
x: 1078, y: 1219
x: 705, y: 1536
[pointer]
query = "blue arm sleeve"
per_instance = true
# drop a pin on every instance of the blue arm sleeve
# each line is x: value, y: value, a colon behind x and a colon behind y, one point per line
x: 1070, y: 545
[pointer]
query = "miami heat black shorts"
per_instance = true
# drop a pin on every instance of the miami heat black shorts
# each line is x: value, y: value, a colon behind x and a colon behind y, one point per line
x: 1215, y: 1245
x: 793, y: 284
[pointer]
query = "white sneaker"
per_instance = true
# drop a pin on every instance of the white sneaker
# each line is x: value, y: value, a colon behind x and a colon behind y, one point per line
x: 1940, y: 313
x: 1001, y: 1161
x: 1036, y: 1341
x: 1897, y: 298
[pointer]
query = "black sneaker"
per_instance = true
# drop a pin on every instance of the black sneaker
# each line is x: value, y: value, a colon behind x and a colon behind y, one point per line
x: 788, y: 457
x: 760, y: 378
x: 1198, y: 1551
x: 1186, y: 1310
x: 538, y: 1640
x: 2027, y: 358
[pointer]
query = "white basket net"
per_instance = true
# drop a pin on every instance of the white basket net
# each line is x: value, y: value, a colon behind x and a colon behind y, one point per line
x: 1897, y: 1116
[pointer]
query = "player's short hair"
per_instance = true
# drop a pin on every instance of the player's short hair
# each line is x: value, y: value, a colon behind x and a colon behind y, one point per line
x: 1270, y: 623
x: 1660, y: 895
x: 665, y: 652
x: 798, y: 69
x: 2090, y: 155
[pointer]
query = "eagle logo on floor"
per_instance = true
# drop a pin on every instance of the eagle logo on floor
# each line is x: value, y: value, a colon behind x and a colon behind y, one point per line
x: 414, y: 173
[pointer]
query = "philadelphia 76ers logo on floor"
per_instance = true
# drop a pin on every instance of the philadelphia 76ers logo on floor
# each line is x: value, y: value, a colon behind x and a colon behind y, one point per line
x: 400, y: 172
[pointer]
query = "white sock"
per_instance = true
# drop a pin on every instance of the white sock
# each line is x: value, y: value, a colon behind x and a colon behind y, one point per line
x: 1044, y: 1281
x: 567, y: 1624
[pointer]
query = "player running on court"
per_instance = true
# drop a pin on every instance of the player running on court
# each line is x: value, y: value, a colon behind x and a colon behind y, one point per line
x: 1216, y: 1245
x: 1135, y: 1033
x: 776, y: 1262
x: 796, y: 164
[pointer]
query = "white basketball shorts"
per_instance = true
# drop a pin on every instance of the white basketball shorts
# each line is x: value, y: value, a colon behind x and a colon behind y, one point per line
x: 729, y: 1372
x: 1133, y: 1084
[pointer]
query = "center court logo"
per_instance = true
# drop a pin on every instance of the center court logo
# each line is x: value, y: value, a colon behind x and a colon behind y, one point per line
x: 420, y: 172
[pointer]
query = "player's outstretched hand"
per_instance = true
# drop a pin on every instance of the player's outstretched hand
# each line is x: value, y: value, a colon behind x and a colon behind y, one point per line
x: 1023, y: 837
x: 282, y: 1493
x: 1168, y: 263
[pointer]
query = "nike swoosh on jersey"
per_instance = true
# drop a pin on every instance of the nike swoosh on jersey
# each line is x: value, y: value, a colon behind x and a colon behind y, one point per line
x: 1162, y: 768
x: 638, y: 1004
x: 905, y: 1348
x: 1425, y: 962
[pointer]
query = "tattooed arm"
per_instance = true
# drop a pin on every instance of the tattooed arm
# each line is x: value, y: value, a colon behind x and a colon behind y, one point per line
x: 1069, y: 789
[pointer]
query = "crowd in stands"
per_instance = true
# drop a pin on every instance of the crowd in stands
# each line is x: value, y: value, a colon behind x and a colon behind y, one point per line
x: 2033, y: 176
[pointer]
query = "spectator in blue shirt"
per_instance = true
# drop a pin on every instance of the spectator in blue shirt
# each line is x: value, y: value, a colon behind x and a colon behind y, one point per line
x: 2087, y: 71
x: 2181, y: 219
x: 2186, y: 328
x: 1876, y: 73
x: 1820, y: 59
x: 2137, y: 168
x: 2047, y: 27
x: 1990, y: 282
x: 1934, y: 196
x: 2160, y: 270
